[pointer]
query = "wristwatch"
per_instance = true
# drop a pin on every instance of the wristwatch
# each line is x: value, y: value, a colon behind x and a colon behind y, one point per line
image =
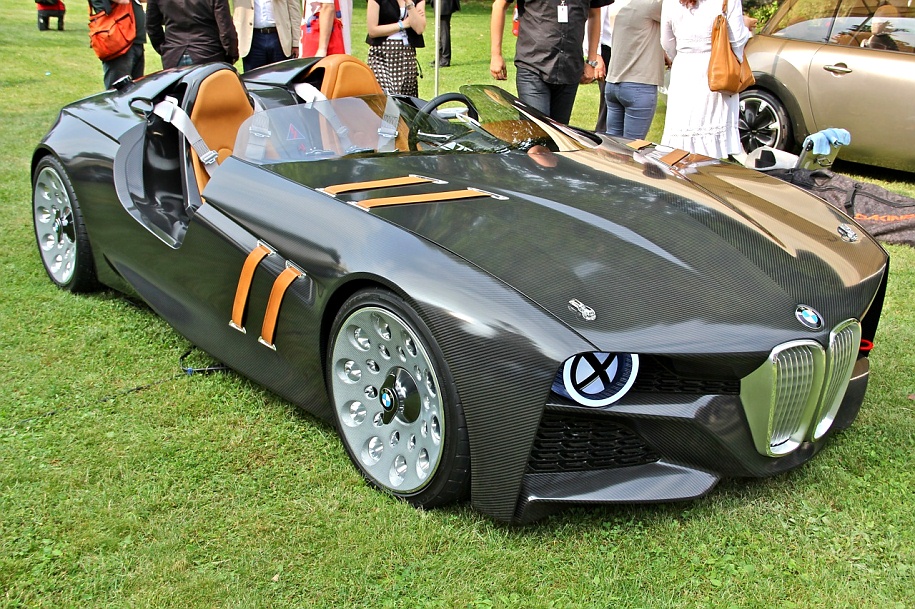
x: 592, y: 63
x: 409, y: 5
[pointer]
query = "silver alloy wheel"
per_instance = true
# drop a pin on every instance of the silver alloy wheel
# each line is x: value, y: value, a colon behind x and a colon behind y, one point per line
x: 386, y: 392
x: 55, y: 225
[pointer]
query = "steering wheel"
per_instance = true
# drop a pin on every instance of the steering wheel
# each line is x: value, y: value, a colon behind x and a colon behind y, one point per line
x: 430, y: 107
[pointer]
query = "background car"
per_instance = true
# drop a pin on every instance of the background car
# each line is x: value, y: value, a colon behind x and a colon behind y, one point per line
x: 835, y: 63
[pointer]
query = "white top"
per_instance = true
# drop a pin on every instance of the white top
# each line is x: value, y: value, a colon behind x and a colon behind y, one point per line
x: 263, y: 14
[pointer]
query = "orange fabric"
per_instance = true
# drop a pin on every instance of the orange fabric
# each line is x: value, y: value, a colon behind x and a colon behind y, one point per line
x: 674, y: 156
x: 429, y: 197
x: 222, y: 105
x: 244, y: 284
x: 337, y: 189
x: 346, y: 76
x: 638, y: 144
x: 280, y: 286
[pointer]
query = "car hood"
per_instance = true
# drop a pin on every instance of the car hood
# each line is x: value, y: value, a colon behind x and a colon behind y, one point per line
x: 710, y: 258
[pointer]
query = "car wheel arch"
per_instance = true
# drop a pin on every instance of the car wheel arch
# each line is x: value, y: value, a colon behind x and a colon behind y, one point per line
x: 774, y: 87
x: 351, y: 300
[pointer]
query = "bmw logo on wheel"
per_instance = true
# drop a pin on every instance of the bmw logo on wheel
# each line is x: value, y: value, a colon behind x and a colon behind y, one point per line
x: 388, y: 401
x: 809, y: 317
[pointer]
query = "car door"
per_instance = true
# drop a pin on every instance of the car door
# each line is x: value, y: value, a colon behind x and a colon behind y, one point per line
x: 856, y: 84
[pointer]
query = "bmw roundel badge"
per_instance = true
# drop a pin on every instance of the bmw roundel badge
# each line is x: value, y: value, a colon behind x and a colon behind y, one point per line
x: 809, y: 317
x: 387, y: 400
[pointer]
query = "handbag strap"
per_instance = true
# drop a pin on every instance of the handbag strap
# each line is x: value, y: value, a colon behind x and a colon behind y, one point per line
x: 724, y: 8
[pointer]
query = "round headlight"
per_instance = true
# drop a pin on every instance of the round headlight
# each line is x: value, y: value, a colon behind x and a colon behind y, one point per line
x: 598, y: 379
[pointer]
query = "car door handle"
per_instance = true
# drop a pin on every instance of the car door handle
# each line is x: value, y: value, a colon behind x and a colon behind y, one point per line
x: 839, y: 68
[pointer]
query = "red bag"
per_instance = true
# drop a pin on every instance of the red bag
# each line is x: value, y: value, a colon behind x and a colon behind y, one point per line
x: 311, y: 34
x: 111, y: 34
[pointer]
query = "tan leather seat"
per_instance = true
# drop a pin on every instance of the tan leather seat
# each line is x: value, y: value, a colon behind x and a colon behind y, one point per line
x: 345, y: 76
x: 222, y: 105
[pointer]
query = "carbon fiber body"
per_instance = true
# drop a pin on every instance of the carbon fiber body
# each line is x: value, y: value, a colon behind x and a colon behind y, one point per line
x: 698, y: 271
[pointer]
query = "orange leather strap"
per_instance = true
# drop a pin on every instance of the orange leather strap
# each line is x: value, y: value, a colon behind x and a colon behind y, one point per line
x: 427, y: 197
x: 638, y: 144
x: 244, y: 285
x: 282, y: 283
x: 674, y: 156
x: 353, y: 186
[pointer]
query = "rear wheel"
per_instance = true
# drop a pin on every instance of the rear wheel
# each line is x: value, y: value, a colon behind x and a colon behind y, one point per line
x: 763, y: 121
x: 59, y: 230
x: 395, y: 403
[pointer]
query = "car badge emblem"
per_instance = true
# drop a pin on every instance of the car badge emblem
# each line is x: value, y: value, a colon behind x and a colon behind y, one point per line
x: 809, y: 317
x: 847, y: 233
x: 586, y: 312
x: 388, y: 400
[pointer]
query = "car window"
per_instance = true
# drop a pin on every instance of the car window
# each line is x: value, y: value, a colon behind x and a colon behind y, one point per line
x: 809, y: 20
x: 884, y: 25
x: 875, y: 24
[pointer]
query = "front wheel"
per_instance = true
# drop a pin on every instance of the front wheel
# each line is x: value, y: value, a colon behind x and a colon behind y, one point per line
x: 395, y: 403
x: 59, y: 230
x: 763, y: 121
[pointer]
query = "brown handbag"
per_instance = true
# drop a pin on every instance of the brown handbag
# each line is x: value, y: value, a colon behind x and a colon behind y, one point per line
x: 725, y: 73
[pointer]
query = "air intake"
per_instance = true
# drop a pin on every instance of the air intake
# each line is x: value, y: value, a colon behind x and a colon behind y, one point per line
x: 796, y: 393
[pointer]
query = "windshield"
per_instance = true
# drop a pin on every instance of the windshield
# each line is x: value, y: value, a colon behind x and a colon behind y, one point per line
x: 378, y: 124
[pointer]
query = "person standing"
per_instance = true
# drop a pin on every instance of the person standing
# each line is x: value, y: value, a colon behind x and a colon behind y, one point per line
x: 268, y: 30
x: 445, y: 10
x: 326, y: 13
x: 606, y: 40
x: 48, y: 9
x: 395, y: 31
x: 548, y: 54
x: 190, y: 32
x: 698, y: 119
x: 636, y: 69
x: 133, y: 62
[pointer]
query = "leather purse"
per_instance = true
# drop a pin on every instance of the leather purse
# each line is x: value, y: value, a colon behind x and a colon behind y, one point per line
x: 726, y: 74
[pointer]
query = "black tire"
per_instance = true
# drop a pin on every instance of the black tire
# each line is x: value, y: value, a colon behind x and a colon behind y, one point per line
x: 395, y: 404
x: 59, y: 229
x: 763, y: 121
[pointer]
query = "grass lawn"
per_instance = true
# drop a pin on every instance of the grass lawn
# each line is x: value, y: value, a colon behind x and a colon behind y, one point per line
x: 125, y: 483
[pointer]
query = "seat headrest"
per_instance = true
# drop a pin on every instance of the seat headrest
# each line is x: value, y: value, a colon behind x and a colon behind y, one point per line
x: 346, y: 76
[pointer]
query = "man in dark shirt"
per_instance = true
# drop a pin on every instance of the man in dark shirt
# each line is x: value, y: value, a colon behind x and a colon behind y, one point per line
x: 548, y: 56
x: 133, y: 62
x: 189, y: 32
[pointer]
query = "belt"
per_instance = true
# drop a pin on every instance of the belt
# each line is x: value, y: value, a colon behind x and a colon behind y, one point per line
x: 265, y: 30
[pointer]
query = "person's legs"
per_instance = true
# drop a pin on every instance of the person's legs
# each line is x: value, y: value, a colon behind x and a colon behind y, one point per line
x: 116, y: 69
x: 602, y: 108
x: 532, y: 90
x: 562, y: 101
x: 138, y: 65
x: 616, y: 113
x: 265, y: 49
x: 445, y: 41
x: 640, y: 101
x: 42, y: 21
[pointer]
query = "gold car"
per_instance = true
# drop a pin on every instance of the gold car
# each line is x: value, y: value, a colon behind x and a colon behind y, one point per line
x: 835, y: 63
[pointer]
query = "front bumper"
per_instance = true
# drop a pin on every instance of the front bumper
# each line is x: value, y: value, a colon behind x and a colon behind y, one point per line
x: 655, y: 448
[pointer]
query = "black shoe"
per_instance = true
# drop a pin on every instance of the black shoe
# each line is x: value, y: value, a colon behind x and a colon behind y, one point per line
x: 441, y: 65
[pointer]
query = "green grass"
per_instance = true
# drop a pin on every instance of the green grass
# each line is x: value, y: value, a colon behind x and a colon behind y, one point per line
x: 124, y: 483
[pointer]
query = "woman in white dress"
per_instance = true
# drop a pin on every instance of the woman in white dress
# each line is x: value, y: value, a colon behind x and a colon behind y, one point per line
x: 699, y: 120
